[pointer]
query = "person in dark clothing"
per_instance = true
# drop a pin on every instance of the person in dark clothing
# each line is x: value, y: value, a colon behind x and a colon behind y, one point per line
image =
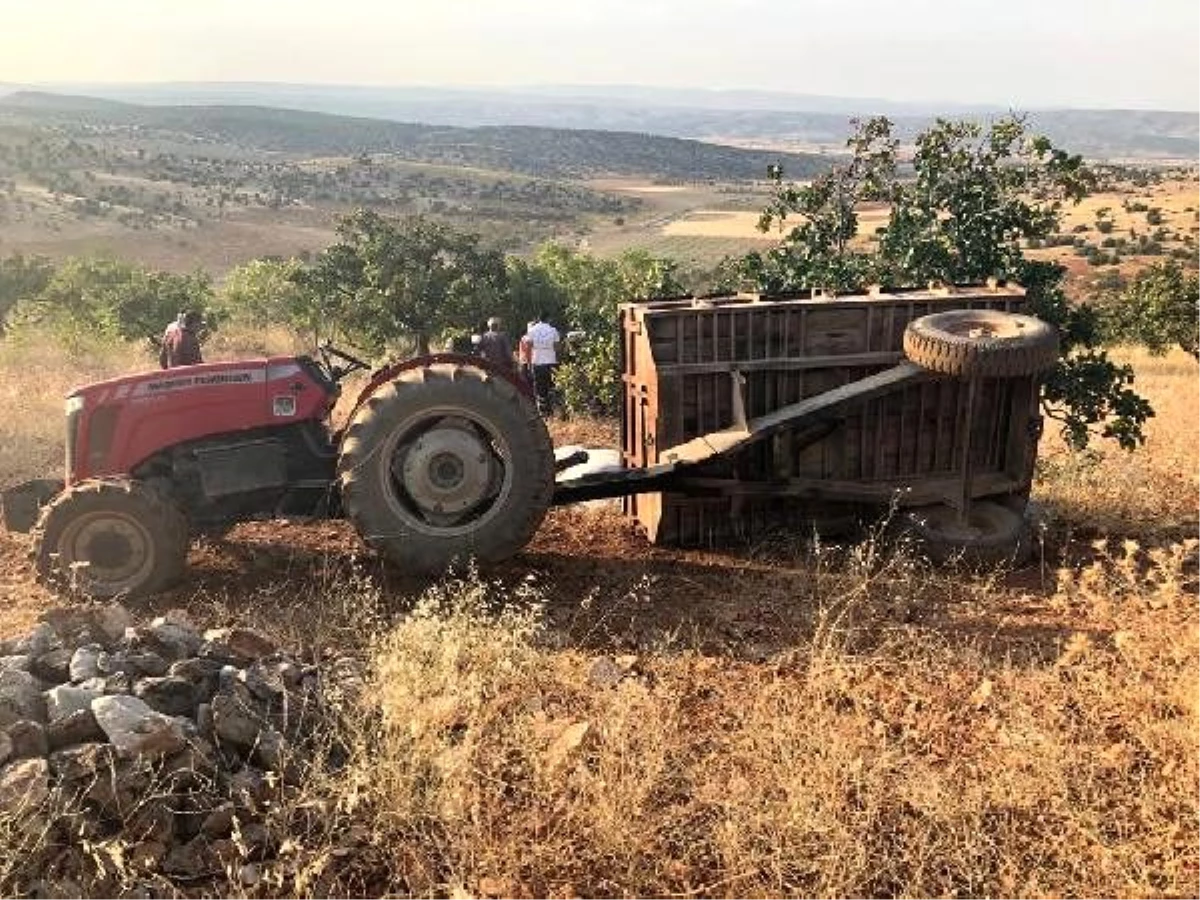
x: 494, y: 346
x: 181, y: 345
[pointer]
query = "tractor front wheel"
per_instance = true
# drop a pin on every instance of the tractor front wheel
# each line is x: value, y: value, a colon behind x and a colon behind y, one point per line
x: 106, y: 538
x: 446, y: 463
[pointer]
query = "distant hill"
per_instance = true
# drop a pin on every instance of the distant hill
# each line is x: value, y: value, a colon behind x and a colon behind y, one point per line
x: 531, y: 150
x: 706, y: 115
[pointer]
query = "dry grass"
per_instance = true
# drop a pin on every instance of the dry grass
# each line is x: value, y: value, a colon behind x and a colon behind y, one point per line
x: 1150, y: 494
x: 718, y: 223
x: 37, y: 376
x: 506, y: 764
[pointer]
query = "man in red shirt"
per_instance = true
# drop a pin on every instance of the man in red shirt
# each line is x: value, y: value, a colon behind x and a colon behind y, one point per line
x: 181, y: 345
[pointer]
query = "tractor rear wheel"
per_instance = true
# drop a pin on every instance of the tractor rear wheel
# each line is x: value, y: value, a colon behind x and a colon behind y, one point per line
x: 105, y: 538
x: 446, y: 463
x: 985, y: 343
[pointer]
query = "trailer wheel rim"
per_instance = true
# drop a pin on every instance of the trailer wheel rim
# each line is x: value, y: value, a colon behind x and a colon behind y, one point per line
x: 108, y: 549
x: 983, y: 327
x: 448, y: 471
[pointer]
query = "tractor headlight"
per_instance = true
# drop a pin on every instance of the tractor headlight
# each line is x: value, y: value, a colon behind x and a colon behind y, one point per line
x: 74, y: 408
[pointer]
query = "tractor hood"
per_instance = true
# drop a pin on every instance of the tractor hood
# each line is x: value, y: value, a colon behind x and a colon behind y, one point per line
x: 114, y: 426
x: 166, y: 381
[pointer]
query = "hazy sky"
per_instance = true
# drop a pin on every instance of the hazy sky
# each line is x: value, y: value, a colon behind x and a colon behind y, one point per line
x: 1022, y: 53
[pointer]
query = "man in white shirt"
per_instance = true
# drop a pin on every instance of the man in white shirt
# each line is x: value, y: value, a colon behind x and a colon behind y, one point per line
x: 543, y: 340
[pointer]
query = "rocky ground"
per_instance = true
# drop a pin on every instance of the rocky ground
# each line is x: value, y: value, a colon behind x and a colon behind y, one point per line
x: 155, y: 737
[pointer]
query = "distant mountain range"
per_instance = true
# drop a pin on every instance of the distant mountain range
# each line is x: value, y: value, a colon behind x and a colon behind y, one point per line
x: 708, y: 115
x: 530, y: 150
x: 396, y: 102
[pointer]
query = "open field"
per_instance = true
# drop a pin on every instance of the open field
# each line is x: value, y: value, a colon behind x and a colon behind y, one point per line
x: 774, y: 719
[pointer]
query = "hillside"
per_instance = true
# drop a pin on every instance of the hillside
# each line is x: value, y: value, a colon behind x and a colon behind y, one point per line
x: 752, y: 117
x: 529, y: 150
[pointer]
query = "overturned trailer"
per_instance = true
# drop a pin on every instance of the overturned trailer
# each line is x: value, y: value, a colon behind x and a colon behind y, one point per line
x: 756, y: 411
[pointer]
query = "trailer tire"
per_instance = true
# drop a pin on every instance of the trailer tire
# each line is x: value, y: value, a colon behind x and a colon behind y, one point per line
x: 981, y: 343
x: 446, y: 463
x: 994, y: 534
x: 111, y: 537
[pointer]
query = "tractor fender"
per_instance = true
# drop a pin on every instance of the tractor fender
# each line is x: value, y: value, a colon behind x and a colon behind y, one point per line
x: 389, y: 372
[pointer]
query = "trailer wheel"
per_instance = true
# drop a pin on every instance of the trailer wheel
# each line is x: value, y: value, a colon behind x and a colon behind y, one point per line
x: 105, y: 538
x: 983, y: 343
x: 446, y: 463
x: 993, y: 534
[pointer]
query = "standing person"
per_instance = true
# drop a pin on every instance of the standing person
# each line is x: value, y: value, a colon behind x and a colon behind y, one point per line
x: 181, y: 344
x: 543, y: 342
x: 494, y: 346
x: 525, y: 355
x: 166, y: 337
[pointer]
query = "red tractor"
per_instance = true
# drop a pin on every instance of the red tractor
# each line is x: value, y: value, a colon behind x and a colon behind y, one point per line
x: 442, y: 458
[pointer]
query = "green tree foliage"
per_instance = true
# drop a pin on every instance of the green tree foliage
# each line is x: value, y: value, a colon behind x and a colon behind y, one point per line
x: 413, y: 277
x: 21, y: 278
x: 270, y: 292
x: 531, y: 290
x: 973, y: 198
x: 593, y: 287
x: 816, y: 250
x: 1159, y: 309
x: 115, y: 299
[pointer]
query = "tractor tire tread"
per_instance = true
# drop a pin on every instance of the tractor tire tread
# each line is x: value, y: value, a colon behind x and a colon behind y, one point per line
x: 169, y: 527
x: 506, y: 533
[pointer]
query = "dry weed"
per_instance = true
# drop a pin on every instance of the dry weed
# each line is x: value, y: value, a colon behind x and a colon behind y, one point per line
x: 926, y: 766
x: 1149, y: 494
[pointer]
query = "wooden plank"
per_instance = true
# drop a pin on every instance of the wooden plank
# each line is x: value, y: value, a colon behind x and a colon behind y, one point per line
x: 906, y: 492
x: 883, y: 358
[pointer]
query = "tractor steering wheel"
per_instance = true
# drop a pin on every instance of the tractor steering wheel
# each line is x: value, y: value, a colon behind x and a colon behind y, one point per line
x: 336, y: 372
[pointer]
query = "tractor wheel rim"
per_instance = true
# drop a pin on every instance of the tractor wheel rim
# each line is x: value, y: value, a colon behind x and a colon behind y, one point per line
x: 107, y: 549
x: 448, y: 457
x: 448, y: 471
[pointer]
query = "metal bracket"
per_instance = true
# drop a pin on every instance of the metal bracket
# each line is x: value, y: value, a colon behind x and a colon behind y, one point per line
x: 739, y: 400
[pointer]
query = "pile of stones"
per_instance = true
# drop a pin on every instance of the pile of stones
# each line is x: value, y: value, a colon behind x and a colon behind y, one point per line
x: 166, y: 740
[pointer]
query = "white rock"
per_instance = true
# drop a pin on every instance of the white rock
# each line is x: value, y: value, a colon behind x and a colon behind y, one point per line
x: 85, y: 662
x: 180, y: 640
x: 133, y: 727
x: 65, y: 699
